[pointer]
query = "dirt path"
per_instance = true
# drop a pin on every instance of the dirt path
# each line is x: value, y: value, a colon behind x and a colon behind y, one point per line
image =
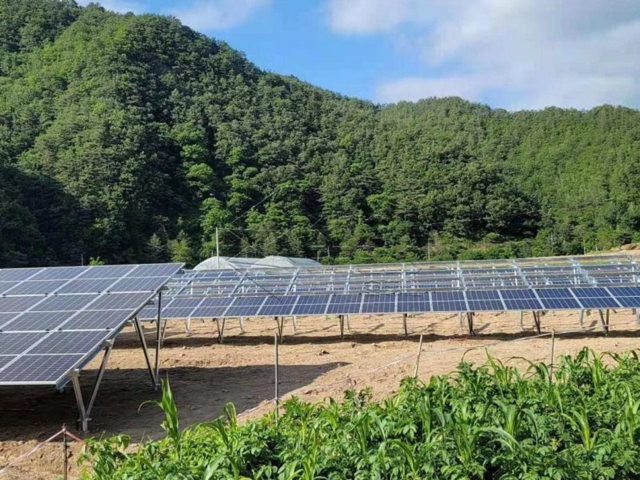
x: 314, y: 364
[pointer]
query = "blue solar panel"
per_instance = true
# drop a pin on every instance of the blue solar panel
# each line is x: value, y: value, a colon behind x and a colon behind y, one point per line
x: 452, y: 301
x: 4, y: 286
x: 111, y: 271
x: 17, y: 343
x: 413, y: 302
x: 120, y: 301
x: 18, y: 274
x: 520, y: 300
x: 245, y: 306
x: 484, y: 300
x: 311, y: 305
x: 178, y: 312
x: 37, y: 321
x: 557, y: 299
x: 87, y: 286
x: 36, y: 287
x: 212, y: 307
x: 379, y: 303
x: 59, y: 273
x: 72, y: 342
x: 70, y: 303
x: 95, y: 320
x: 48, y: 369
x: 155, y: 270
x: 595, y: 298
x: 278, y: 306
x: 142, y: 284
x: 344, y: 304
x: 18, y: 304
x: 5, y: 318
x: 625, y: 291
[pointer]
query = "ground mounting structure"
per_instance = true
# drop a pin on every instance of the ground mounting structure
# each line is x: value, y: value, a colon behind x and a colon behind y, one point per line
x: 602, y: 283
x: 53, y: 321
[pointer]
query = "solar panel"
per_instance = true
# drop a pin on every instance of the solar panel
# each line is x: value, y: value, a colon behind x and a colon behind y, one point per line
x: 4, y: 286
x: 212, y: 307
x: 92, y: 285
x: 176, y: 312
x: 344, y: 304
x: 41, y: 287
x: 5, y: 318
x: 94, y: 320
x: 70, y: 303
x: 17, y: 343
x: 628, y: 297
x: 379, y: 303
x: 452, y: 301
x: 557, y: 299
x: 5, y: 359
x: 71, y: 342
x: 278, y: 306
x: 37, y: 321
x: 59, y: 273
x: 311, y: 305
x: 17, y: 274
x: 120, y: 301
x: 154, y: 270
x: 521, y: 300
x: 143, y: 284
x: 595, y: 298
x: 53, y: 319
x: 112, y: 271
x: 18, y: 304
x: 30, y: 369
x: 484, y: 300
x: 413, y: 302
x: 245, y: 306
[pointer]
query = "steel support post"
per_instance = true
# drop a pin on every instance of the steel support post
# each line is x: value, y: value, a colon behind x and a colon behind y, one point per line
x: 349, y: 323
x: 159, y: 334
x: 143, y: 343
x: 241, y: 324
x: 295, y: 323
x: 536, y: 320
x: 604, y: 319
x: 470, y: 323
x: 220, y: 327
x: 85, y: 412
x: 280, y: 324
x: 341, y: 319
x: 581, y: 318
x: 404, y: 324
x: 521, y: 320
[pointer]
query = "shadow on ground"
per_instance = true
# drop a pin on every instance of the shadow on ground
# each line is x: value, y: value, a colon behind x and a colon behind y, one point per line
x: 28, y: 413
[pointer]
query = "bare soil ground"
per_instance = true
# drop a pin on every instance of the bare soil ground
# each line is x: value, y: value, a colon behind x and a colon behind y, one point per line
x: 314, y: 364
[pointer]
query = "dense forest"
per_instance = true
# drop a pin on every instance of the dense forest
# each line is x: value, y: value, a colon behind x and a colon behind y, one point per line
x: 132, y: 138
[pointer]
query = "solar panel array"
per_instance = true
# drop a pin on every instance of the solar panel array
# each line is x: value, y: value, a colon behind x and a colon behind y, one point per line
x: 525, y: 284
x: 587, y: 271
x: 53, y: 320
x: 533, y: 299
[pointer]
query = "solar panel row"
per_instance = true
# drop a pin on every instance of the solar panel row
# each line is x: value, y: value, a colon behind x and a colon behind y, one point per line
x: 437, y: 301
x: 54, y: 319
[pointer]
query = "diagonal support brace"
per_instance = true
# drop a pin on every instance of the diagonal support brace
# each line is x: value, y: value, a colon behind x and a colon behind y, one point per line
x: 85, y: 412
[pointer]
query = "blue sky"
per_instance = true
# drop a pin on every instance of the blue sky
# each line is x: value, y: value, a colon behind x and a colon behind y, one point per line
x: 510, y: 54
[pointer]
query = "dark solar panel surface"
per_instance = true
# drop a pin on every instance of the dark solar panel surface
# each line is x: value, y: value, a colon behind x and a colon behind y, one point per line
x: 344, y: 304
x: 53, y: 318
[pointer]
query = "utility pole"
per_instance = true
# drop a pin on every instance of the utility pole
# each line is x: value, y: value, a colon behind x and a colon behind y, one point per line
x: 217, y: 251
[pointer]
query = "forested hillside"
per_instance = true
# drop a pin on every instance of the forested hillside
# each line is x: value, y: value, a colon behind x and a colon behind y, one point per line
x: 132, y: 138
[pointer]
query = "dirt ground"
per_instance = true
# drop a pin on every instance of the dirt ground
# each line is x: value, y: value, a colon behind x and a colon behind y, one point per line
x: 314, y: 364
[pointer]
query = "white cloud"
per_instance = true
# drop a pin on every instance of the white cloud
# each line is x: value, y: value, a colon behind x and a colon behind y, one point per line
x: 535, y: 53
x: 205, y: 15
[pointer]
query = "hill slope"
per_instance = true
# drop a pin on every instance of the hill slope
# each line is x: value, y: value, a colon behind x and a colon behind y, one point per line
x: 133, y: 137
